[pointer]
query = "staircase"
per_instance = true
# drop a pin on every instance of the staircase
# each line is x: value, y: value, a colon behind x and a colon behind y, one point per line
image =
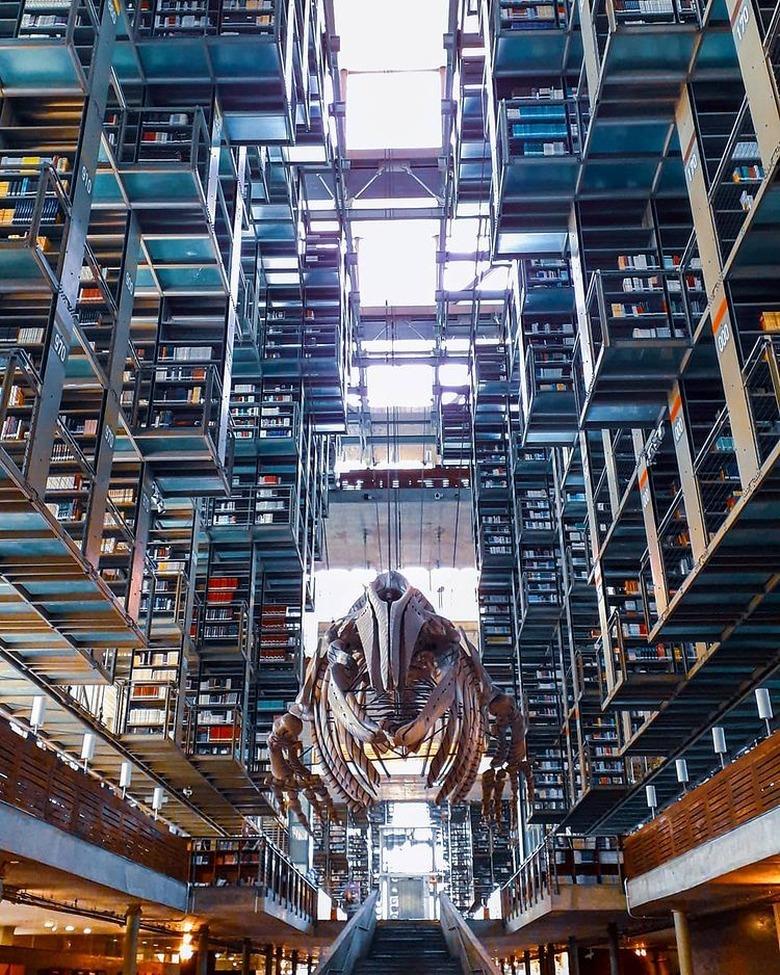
x: 406, y: 948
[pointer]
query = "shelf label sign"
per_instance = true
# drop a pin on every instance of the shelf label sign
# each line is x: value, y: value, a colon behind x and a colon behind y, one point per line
x: 691, y: 160
x: 721, y: 327
x: 108, y: 436
x: 676, y: 416
x: 644, y: 487
x: 60, y: 345
x: 741, y: 21
x: 86, y: 179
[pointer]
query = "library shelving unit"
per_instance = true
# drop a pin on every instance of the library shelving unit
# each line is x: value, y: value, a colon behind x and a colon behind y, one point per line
x: 257, y: 50
x: 543, y: 323
x: 179, y: 421
x: 472, y: 169
x: 633, y: 198
x: 458, y: 852
x: 493, y: 509
x: 636, y: 314
x: 150, y: 195
x: 493, y: 854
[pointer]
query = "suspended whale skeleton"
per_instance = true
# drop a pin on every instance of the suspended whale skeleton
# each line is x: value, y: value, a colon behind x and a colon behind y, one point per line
x: 391, y: 677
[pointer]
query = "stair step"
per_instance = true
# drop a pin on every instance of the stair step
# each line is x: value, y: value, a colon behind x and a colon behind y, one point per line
x: 407, y: 948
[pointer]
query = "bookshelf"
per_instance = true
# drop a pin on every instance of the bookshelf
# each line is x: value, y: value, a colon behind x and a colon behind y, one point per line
x: 192, y: 18
x: 34, y: 213
x: 518, y: 15
x: 217, y: 716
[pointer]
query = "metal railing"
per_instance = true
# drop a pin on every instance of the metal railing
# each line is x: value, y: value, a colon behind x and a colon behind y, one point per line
x: 521, y: 15
x: 717, y: 473
x: 252, y: 861
x: 179, y: 398
x: 736, y: 181
x: 674, y: 542
x: 558, y: 862
x: 638, y: 12
x: 461, y: 941
x: 21, y: 386
x: 167, y: 703
x: 631, y: 656
x: 761, y: 379
x: 353, y: 942
x: 179, y: 136
x: 256, y: 507
x: 231, y: 628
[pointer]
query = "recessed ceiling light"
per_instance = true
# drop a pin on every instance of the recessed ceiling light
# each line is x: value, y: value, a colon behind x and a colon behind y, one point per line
x: 87, y: 930
x: 69, y: 927
x: 49, y: 924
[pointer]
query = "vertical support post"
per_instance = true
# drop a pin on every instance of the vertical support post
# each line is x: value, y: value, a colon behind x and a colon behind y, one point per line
x: 682, y: 935
x: 776, y: 910
x: 58, y: 341
x: 694, y: 512
x: 574, y: 956
x: 614, y: 949
x: 130, y: 940
x: 551, y: 959
x: 143, y: 524
x: 120, y: 342
x: 527, y: 962
x: 202, y: 967
x: 726, y: 343
x: 246, y: 956
x: 269, y: 960
x: 757, y: 76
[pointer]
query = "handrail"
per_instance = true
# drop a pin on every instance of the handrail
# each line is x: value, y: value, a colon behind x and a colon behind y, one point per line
x: 353, y: 942
x: 462, y: 943
x: 252, y: 861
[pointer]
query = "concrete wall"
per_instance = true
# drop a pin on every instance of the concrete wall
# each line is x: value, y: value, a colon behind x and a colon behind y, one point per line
x: 736, y: 943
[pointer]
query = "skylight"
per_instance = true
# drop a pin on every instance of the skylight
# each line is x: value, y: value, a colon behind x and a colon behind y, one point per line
x: 394, y: 110
x: 376, y: 36
x: 453, y: 592
x: 408, y: 386
x: 396, y: 261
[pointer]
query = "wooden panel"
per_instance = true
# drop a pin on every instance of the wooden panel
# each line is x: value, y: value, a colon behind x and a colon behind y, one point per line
x: 748, y: 787
x: 37, y: 782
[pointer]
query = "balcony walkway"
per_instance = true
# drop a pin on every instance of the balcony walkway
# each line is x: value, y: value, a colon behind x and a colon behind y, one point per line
x: 719, y: 843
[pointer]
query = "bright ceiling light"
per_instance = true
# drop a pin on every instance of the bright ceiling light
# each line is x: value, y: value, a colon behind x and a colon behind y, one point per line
x: 408, y: 386
x: 391, y: 110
